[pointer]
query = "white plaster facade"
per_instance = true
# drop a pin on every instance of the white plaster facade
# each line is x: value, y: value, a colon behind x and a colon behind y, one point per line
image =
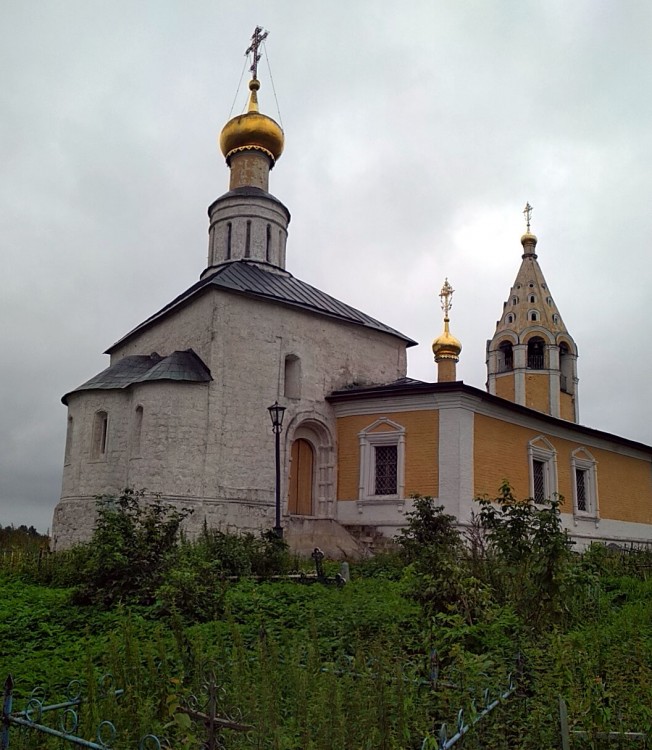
x: 209, y: 446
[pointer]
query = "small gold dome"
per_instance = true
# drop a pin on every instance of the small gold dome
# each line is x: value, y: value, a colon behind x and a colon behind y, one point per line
x: 446, y: 346
x: 529, y: 238
x: 252, y: 131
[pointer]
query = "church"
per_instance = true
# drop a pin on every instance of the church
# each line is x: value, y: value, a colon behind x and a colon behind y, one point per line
x: 182, y: 408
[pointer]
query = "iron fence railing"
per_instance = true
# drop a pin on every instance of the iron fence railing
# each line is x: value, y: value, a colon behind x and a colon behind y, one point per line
x: 441, y: 741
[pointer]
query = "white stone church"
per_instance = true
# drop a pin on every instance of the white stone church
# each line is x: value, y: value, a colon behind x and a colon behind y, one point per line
x: 182, y: 409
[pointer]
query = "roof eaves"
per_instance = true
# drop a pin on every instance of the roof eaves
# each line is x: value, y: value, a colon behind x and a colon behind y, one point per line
x: 461, y: 387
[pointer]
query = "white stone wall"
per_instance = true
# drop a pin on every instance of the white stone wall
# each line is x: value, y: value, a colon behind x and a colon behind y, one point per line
x: 191, y: 326
x: 210, y: 446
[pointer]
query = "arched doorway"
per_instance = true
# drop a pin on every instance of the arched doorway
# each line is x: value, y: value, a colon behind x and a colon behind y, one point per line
x: 301, y: 478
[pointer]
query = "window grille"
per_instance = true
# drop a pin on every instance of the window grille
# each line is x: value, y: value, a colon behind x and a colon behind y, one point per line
x: 386, y: 470
x: 580, y: 482
x: 539, y: 481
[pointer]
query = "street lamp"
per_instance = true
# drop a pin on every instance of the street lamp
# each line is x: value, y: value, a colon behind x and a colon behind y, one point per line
x: 276, y: 413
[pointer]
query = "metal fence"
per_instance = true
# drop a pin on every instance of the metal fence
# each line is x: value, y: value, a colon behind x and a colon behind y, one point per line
x: 208, y: 710
x: 624, y: 739
x: 441, y: 740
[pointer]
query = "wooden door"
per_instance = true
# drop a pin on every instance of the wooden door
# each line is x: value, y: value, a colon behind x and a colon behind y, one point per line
x: 301, y: 478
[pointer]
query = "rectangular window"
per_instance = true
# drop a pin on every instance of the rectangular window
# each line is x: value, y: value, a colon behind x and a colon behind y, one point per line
x: 585, y: 489
x: 382, y: 460
x: 386, y: 471
x: 539, y: 481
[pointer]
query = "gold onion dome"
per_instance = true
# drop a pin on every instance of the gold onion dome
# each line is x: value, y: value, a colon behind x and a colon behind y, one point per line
x: 252, y: 131
x: 446, y: 346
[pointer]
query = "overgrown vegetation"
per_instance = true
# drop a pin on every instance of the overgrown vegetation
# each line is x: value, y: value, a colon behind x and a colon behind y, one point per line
x: 416, y: 635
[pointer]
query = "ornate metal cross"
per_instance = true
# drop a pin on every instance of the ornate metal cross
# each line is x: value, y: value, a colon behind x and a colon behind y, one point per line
x: 527, y: 212
x: 446, y: 296
x: 257, y: 38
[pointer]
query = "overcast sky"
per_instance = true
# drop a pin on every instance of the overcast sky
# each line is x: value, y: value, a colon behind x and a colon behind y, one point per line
x: 415, y: 133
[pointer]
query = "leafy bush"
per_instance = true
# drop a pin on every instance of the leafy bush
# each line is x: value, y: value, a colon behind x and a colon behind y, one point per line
x: 528, y: 557
x: 129, y: 554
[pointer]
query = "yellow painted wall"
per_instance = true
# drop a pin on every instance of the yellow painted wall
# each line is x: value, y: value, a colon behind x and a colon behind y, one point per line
x: 421, y: 451
x: 537, y: 392
x: 566, y: 408
x: 505, y: 387
x: 500, y: 452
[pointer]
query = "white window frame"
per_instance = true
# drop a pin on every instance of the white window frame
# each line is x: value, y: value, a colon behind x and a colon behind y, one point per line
x: 541, y: 449
x: 369, y: 440
x: 582, y: 460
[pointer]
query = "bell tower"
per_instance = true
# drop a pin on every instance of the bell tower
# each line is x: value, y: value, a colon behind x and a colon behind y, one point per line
x: 532, y: 359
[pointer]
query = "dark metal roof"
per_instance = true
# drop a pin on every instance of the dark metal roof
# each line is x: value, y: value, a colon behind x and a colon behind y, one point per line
x: 396, y: 385
x: 409, y: 387
x: 141, y: 368
x: 273, y: 284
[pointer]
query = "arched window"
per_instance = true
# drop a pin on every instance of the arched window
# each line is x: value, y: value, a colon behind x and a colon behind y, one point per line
x: 292, y: 387
x: 136, y: 432
x: 100, y: 435
x: 536, y: 353
x: 506, y: 359
x: 514, y: 300
x: 510, y: 318
x: 532, y: 299
x: 533, y: 316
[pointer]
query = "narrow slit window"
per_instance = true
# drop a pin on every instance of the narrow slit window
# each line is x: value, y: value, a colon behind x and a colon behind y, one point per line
x: 248, y: 240
x: 229, y: 231
x: 137, y: 431
x: 69, y: 437
x: 100, y: 435
x: 268, y: 243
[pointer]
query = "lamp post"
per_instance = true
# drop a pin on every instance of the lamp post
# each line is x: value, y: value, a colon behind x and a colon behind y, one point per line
x: 276, y: 413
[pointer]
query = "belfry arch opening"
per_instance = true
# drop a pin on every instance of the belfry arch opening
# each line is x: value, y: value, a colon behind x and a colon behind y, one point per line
x: 506, y: 357
x: 565, y: 367
x: 536, y: 353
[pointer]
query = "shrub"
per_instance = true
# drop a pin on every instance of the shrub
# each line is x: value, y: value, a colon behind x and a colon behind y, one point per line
x: 130, y: 550
x: 529, y: 561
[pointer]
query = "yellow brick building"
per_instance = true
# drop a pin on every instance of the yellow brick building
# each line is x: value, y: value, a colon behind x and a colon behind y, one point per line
x: 456, y: 442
